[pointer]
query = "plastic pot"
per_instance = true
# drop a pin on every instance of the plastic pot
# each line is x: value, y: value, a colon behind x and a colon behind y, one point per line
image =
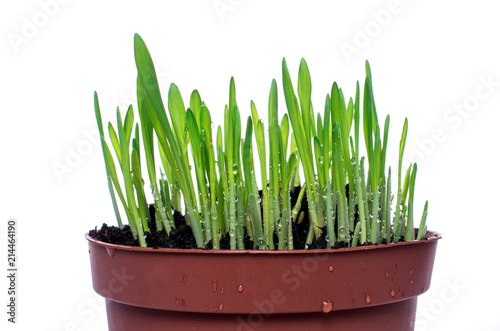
x: 364, y: 288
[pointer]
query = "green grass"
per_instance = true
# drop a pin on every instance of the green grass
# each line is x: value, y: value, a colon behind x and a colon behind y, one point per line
x: 211, y: 176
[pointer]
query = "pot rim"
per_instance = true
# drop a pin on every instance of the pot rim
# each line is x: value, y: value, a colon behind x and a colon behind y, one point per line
x: 430, y: 236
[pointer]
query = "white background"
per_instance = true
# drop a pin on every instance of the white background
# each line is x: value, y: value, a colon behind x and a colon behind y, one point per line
x: 431, y: 62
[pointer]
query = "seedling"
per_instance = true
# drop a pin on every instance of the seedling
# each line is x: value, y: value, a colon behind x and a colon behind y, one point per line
x: 211, y: 175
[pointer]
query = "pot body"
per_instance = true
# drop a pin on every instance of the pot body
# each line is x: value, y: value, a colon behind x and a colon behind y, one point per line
x: 364, y: 288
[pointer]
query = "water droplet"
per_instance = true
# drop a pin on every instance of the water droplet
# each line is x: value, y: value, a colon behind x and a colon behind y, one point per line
x: 411, y: 281
x: 221, y: 307
x: 330, y: 268
x: 111, y: 251
x: 214, y: 285
x: 183, y: 303
x: 386, y: 273
x: 411, y: 272
x: 207, y: 308
x: 222, y: 291
x: 368, y: 299
x: 423, y: 290
x: 393, y: 293
x: 177, y: 301
x: 240, y: 288
x: 327, y: 306
x: 353, y: 303
x: 185, y: 130
x: 184, y: 278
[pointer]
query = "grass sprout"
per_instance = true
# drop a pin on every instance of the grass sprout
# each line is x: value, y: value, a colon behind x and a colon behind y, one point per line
x: 210, y: 175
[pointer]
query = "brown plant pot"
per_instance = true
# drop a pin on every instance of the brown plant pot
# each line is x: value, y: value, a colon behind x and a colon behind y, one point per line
x: 364, y: 288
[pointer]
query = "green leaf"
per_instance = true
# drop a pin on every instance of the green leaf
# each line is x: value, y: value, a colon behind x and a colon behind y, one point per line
x: 178, y: 114
x: 367, y: 119
x: 274, y: 136
x: 139, y: 188
x: 195, y: 105
x: 423, y: 227
x: 304, y: 91
x: 114, y: 141
x: 128, y: 125
x: 129, y: 189
x: 285, y: 128
x: 356, y: 122
x: 253, y: 194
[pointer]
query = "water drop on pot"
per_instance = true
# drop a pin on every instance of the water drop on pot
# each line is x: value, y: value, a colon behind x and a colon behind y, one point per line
x: 386, y: 273
x: 368, y: 299
x: 327, y: 306
x: 411, y: 272
x: 240, y: 288
x: 184, y: 278
x: 207, y: 308
x: 214, y: 285
x: 222, y: 291
x: 221, y: 307
x: 393, y: 293
x: 177, y: 301
x: 411, y: 281
x: 111, y: 251
x: 330, y: 268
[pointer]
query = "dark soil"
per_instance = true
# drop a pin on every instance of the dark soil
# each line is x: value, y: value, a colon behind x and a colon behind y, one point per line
x: 182, y: 236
